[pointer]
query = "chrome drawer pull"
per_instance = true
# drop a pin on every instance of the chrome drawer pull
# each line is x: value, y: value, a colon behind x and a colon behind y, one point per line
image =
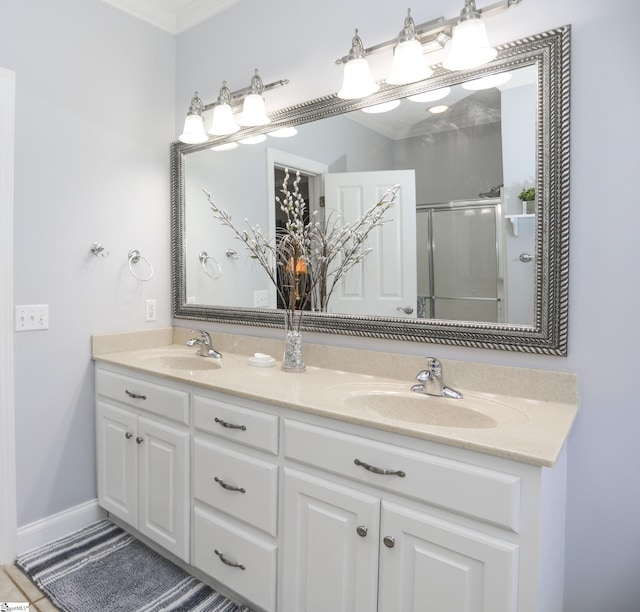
x: 230, y: 425
x: 227, y: 562
x: 377, y: 470
x: 228, y: 487
x: 135, y: 395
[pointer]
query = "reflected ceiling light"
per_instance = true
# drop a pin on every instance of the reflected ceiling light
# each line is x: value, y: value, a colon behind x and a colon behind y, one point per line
x: 493, y: 80
x: 436, y: 110
x: 193, y: 131
x: 253, y: 139
x: 228, y: 146
x: 223, y: 122
x: 431, y: 96
x: 469, y: 46
x: 283, y: 132
x: 409, y: 64
x: 383, y: 107
x: 253, y: 110
x: 357, y: 80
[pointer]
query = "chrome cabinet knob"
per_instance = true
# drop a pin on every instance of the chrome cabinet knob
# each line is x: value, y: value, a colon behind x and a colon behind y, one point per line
x: 128, y: 435
x: 362, y: 531
x: 389, y: 541
x: 139, y: 439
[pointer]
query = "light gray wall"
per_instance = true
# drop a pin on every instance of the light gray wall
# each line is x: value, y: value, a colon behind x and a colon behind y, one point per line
x: 94, y: 118
x: 300, y: 41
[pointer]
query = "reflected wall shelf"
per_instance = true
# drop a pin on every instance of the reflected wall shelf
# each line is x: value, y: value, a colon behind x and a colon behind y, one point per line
x: 515, y: 220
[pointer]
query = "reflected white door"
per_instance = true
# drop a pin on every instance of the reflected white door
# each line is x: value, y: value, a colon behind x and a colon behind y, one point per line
x: 385, y: 283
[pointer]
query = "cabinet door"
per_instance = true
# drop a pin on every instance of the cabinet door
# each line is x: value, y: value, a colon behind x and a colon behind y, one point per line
x: 164, y: 485
x: 331, y: 536
x: 117, y: 459
x: 432, y: 565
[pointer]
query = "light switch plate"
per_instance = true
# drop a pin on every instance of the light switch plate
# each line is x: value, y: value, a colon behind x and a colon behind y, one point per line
x: 32, y: 317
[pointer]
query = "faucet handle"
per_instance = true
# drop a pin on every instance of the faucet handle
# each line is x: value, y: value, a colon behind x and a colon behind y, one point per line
x: 434, y: 366
x: 423, y: 376
x: 206, y: 338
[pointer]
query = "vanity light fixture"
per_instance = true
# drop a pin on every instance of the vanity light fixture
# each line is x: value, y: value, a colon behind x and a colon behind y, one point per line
x: 357, y: 80
x: 193, y: 132
x: 469, y: 45
x: 463, y: 39
x: 409, y: 64
x: 224, y: 121
x: 253, y: 110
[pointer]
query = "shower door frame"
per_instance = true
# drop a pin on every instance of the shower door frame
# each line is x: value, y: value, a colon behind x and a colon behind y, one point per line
x: 501, y: 293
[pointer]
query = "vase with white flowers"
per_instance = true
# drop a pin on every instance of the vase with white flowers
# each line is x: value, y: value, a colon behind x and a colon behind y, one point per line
x: 307, y: 258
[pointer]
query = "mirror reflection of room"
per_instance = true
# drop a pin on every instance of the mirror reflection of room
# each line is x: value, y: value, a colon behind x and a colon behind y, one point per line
x: 463, y: 252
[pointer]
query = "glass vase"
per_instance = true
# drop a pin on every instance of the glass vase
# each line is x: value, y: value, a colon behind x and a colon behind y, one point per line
x: 292, y: 360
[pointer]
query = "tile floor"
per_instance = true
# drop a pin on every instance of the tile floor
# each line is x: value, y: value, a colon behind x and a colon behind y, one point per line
x: 16, y: 587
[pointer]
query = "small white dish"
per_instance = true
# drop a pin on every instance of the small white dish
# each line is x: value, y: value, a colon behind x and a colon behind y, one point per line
x: 260, y: 360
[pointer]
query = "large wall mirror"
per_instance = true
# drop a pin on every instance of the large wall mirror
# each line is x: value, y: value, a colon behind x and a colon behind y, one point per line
x: 462, y: 261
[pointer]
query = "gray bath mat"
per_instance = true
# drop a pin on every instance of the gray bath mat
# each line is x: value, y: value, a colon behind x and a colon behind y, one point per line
x: 101, y: 567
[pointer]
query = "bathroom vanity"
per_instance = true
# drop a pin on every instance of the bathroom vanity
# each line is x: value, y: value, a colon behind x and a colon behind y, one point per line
x: 285, y: 492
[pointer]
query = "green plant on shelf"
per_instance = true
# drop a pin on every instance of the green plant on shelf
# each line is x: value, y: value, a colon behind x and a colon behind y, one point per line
x: 528, y: 195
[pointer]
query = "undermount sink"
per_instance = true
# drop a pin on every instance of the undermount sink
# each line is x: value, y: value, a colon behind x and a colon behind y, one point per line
x: 396, y: 402
x: 181, y: 362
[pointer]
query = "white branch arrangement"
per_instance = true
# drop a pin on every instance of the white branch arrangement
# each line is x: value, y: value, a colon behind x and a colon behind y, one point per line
x: 307, y: 261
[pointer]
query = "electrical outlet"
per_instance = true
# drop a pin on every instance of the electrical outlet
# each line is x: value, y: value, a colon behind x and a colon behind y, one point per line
x: 261, y: 299
x: 151, y: 310
x: 34, y: 317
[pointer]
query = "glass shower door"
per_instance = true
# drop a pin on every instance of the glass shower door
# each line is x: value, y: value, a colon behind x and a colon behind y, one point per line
x: 459, y: 266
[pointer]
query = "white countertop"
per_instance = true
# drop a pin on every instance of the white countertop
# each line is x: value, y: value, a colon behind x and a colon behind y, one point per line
x: 535, y: 436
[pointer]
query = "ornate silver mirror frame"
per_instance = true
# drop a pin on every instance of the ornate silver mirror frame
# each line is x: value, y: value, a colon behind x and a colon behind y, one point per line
x: 550, y: 53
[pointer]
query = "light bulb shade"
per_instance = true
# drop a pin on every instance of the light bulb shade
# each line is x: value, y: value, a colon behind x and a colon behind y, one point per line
x: 357, y: 81
x: 193, y: 132
x: 223, y: 122
x: 469, y: 46
x: 409, y: 64
x: 253, y: 111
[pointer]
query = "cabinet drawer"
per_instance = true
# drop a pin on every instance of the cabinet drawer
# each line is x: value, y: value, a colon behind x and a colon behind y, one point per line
x: 253, y: 574
x: 243, y: 425
x: 467, y: 489
x: 157, y: 399
x: 241, y: 486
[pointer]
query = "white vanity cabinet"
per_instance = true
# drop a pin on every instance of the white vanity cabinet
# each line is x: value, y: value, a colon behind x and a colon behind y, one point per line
x: 374, y: 526
x: 235, y: 494
x: 293, y: 511
x: 143, y: 457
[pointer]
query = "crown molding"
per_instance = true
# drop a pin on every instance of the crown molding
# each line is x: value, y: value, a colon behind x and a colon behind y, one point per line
x: 174, y: 16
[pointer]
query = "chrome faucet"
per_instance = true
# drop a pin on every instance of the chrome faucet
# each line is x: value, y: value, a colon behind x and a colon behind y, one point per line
x: 206, y: 350
x: 432, y: 382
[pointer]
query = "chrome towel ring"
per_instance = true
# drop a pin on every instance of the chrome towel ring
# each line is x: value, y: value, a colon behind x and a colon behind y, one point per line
x: 134, y: 258
x: 203, y: 257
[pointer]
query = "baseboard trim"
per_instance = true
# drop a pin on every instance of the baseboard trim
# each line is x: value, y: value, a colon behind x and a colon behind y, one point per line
x: 58, y: 525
